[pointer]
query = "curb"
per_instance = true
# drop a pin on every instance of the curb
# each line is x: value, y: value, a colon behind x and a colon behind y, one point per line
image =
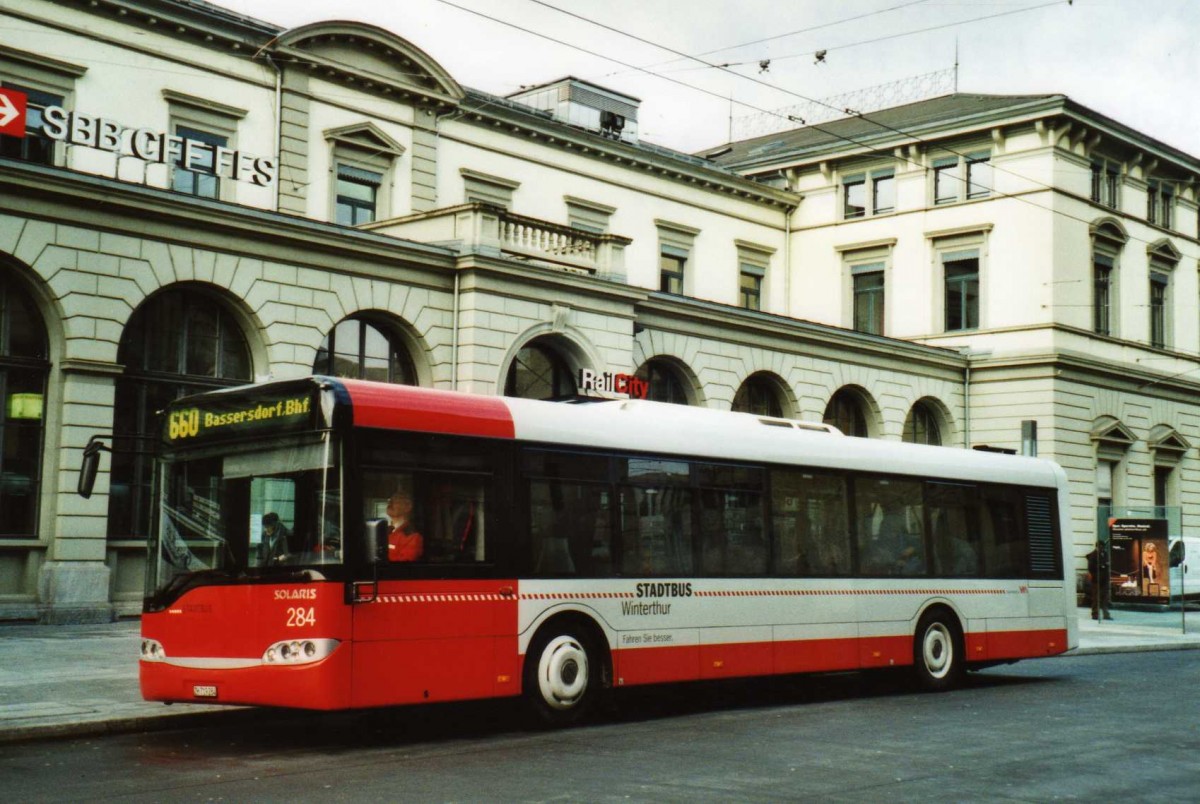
x: 121, y: 725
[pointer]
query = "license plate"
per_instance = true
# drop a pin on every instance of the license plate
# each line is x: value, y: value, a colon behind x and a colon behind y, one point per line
x: 204, y: 690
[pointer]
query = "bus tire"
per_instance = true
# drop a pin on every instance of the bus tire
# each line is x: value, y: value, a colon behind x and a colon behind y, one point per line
x: 939, y: 656
x: 562, y: 675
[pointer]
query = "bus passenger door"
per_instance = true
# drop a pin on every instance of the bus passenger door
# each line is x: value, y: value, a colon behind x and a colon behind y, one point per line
x: 435, y: 630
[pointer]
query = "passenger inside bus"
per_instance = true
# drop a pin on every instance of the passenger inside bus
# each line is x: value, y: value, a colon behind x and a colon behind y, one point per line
x: 273, y: 549
x: 404, y: 542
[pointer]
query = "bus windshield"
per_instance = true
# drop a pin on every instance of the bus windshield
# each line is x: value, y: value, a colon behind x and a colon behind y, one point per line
x: 243, y: 512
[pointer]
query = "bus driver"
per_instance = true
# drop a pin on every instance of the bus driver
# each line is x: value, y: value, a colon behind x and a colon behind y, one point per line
x: 404, y: 542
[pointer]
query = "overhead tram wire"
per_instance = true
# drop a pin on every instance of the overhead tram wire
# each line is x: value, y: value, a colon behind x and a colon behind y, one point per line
x: 814, y: 127
x: 794, y: 33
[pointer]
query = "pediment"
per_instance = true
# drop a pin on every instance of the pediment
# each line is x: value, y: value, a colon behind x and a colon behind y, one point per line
x: 1164, y: 249
x: 370, y: 57
x: 366, y: 136
x: 1110, y: 431
x: 1165, y: 438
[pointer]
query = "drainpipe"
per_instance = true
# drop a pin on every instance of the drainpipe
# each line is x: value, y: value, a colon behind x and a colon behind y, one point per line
x: 787, y: 260
x: 967, y: 404
x: 278, y: 126
x: 454, y: 338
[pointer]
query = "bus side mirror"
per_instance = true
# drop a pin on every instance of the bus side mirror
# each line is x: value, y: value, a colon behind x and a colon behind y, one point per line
x: 89, y: 467
x: 375, y: 539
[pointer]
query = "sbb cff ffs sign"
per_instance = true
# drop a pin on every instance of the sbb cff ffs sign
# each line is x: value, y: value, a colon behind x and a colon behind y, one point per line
x: 13, y: 106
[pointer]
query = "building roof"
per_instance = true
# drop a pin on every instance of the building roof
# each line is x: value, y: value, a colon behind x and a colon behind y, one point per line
x: 885, y: 126
x: 947, y: 115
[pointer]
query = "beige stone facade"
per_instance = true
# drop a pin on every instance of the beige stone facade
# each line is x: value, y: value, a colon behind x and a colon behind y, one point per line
x: 467, y: 229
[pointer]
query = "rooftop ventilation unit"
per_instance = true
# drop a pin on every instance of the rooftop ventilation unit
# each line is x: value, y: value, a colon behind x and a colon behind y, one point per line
x: 588, y: 106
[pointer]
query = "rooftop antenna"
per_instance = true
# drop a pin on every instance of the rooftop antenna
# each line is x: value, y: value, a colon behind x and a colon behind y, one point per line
x: 956, y: 64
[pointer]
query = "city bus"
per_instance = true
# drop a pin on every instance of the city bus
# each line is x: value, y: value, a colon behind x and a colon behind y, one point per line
x: 333, y: 544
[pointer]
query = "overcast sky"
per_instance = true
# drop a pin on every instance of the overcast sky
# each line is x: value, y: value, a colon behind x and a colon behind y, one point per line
x: 1137, y: 61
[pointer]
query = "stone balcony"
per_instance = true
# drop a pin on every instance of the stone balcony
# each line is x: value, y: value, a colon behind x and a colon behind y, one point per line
x: 478, y: 228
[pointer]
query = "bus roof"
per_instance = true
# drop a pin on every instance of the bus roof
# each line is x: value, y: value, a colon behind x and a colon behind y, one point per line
x: 640, y: 426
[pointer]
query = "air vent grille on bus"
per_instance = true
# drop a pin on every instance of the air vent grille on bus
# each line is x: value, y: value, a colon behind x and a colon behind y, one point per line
x: 1043, y: 548
x: 811, y: 426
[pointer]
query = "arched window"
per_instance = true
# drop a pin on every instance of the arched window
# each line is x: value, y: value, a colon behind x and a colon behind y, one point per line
x: 24, y: 367
x: 921, y: 426
x: 758, y: 395
x: 845, y: 412
x: 178, y: 342
x: 664, y: 380
x: 361, y: 349
x: 539, y: 371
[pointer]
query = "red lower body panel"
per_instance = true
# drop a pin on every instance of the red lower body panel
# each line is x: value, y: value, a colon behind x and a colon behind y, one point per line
x: 321, y: 685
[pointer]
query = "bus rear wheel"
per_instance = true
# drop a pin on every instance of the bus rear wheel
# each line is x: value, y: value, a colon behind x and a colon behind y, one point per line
x: 938, y: 652
x: 562, y: 676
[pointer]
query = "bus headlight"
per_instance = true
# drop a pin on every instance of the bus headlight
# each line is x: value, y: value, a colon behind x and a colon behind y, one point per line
x: 152, y: 651
x: 299, y: 651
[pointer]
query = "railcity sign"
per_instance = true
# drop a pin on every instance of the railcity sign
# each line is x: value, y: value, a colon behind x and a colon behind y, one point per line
x: 613, y: 383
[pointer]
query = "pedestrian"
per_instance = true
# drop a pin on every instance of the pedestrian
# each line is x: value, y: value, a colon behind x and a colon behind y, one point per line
x: 1098, y: 572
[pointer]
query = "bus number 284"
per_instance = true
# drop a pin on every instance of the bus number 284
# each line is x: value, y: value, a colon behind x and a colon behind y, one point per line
x: 300, y: 617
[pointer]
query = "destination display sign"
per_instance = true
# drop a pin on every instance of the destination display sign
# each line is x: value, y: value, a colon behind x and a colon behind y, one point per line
x: 220, y: 418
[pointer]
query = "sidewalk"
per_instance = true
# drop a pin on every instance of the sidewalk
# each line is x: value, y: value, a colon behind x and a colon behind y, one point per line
x: 58, y: 681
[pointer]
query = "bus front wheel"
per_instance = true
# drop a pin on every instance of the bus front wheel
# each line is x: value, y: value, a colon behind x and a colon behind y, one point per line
x: 562, y: 676
x: 938, y: 652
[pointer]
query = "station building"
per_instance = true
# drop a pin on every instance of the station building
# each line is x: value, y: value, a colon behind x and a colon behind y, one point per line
x: 201, y: 199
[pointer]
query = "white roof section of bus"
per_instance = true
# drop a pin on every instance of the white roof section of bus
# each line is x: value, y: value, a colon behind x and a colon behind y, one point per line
x: 638, y: 426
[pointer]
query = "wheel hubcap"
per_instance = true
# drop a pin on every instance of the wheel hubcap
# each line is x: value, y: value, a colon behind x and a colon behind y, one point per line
x: 563, y: 672
x: 938, y: 650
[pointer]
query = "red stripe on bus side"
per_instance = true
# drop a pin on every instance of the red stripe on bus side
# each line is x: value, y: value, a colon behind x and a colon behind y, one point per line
x: 404, y: 407
x: 665, y: 664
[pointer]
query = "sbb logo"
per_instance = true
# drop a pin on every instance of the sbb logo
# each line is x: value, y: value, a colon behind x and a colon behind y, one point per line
x: 13, y: 106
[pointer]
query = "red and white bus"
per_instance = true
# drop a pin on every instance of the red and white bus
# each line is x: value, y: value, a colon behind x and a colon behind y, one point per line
x: 555, y: 550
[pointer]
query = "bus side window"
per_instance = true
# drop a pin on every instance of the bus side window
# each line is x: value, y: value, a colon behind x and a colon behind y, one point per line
x: 891, y: 526
x: 954, y: 528
x: 570, y: 528
x: 811, y: 524
x: 656, y: 531
x: 1004, y: 550
x: 455, y: 521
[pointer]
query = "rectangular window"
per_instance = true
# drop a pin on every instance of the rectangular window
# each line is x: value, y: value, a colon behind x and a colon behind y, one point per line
x: 1102, y: 268
x: 883, y: 192
x: 953, y: 513
x: 1001, y: 537
x: 357, y: 195
x: 891, y: 526
x: 571, y: 528
x: 1159, y: 283
x: 656, y: 534
x: 750, y: 289
x: 979, y: 175
x: 732, y: 537
x: 34, y: 146
x: 199, y: 176
x: 1152, y: 203
x: 868, y: 298
x: 1097, y: 181
x: 854, y: 196
x: 1167, y: 199
x: 947, y: 179
x: 671, y: 270
x: 962, y: 290
x: 811, y: 524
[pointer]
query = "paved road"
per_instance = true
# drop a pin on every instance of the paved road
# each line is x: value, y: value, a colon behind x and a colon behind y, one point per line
x: 1112, y: 726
